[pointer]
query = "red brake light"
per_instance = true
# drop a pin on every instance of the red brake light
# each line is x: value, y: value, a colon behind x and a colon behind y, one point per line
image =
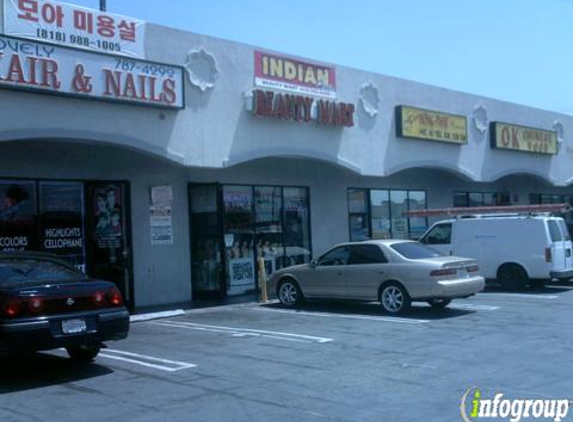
x: 36, y: 304
x: 114, y: 296
x: 472, y: 269
x: 12, y: 308
x: 98, y: 298
x: 446, y: 271
x: 548, y: 256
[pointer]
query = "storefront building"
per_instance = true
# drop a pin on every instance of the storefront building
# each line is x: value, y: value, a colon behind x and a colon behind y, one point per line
x: 168, y: 161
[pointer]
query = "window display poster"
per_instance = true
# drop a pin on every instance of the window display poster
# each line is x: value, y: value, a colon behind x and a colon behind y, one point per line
x: 17, y: 216
x: 62, y: 221
x: 161, y: 225
x: 108, y: 230
x: 241, y: 272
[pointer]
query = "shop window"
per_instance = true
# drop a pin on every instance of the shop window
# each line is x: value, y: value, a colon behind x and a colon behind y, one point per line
x: 358, y: 209
x: 378, y: 214
x: 296, y: 225
x: 61, y: 217
x: 18, y: 211
x: 418, y: 225
x: 480, y: 199
x: 238, y: 235
x: 269, y: 222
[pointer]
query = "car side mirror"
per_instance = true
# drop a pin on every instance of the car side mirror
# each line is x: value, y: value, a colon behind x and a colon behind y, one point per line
x: 312, y: 263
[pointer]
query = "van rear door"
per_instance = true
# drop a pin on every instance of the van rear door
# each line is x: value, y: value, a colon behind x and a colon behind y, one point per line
x: 557, y: 245
x: 568, y: 244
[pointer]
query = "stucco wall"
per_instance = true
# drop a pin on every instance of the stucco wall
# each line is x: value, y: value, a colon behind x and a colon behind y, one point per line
x: 216, y: 131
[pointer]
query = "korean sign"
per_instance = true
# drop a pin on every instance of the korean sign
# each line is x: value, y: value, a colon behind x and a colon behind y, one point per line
x: 276, y: 72
x: 430, y: 125
x: 522, y: 138
x: 52, y: 69
x: 74, y: 26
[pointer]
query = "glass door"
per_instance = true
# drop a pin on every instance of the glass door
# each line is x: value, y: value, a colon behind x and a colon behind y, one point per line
x: 238, y: 237
x: 108, y: 236
x: 207, y: 269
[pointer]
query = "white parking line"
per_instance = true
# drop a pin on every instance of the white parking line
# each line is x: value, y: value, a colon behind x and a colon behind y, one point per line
x: 473, y: 307
x: 345, y: 316
x: 521, y: 295
x: 243, y: 332
x: 144, y: 360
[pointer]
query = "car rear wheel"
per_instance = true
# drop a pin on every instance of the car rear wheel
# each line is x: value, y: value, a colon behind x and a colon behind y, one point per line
x: 289, y: 293
x: 83, y: 353
x: 512, y: 277
x: 439, y: 303
x: 394, y: 298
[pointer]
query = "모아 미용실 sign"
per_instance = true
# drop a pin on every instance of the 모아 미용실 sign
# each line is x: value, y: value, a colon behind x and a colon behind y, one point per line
x: 74, y: 26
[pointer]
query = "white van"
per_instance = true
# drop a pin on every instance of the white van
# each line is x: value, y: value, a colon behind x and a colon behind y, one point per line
x: 516, y: 250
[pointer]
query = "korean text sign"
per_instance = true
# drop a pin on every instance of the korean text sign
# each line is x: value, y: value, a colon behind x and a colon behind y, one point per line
x: 59, y: 70
x: 74, y: 26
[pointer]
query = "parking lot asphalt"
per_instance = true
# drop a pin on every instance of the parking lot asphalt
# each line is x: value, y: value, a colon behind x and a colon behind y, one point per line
x: 327, y: 361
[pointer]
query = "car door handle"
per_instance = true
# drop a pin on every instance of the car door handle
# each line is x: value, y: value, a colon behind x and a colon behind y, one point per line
x: 381, y: 272
x: 339, y: 273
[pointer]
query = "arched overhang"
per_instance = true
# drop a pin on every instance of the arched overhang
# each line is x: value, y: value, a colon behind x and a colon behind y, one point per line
x: 531, y: 172
x: 290, y: 153
x: 93, y: 138
x: 456, y: 170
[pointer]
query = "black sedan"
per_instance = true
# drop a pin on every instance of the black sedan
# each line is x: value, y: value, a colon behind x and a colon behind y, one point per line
x: 47, y: 304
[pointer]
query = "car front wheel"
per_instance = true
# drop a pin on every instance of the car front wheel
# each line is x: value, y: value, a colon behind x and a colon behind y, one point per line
x: 439, y: 303
x: 83, y: 353
x: 394, y: 298
x: 289, y: 293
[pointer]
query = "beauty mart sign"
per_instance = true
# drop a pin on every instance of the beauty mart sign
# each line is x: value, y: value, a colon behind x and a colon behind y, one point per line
x: 73, y: 26
x: 52, y: 69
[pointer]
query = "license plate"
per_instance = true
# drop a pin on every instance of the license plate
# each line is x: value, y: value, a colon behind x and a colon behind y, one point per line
x: 74, y: 326
x: 462, y: 273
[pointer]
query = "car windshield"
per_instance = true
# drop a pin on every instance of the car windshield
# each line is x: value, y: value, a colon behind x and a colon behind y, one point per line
x: 415, y: 250
x: 17, y: 271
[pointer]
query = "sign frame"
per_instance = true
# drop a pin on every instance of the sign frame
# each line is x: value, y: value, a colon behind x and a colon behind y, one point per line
x: 32, y: 90
x: 494, y: 140
x: 400, y: 128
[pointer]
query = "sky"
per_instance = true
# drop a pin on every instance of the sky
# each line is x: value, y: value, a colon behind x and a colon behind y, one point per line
x: 514, y: 50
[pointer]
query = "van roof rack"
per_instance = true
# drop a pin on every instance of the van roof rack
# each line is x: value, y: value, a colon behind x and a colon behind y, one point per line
x: 508, y: 210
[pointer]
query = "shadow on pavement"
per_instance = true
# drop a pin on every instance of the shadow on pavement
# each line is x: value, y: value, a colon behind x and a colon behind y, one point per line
x: 42, y: 370
x: 547, y: 290
x: 417, y: 311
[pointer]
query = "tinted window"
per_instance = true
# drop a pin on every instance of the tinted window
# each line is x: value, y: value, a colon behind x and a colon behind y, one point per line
x: 554, y: 231
x: 414, y: 250
x: 338, y: 256
x: 29, y: 270
x: 564, y: 229
x: 366, y: 254
x: 440, y: 235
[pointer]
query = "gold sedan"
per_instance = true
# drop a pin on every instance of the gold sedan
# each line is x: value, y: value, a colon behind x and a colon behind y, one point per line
x: 395, y: 272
